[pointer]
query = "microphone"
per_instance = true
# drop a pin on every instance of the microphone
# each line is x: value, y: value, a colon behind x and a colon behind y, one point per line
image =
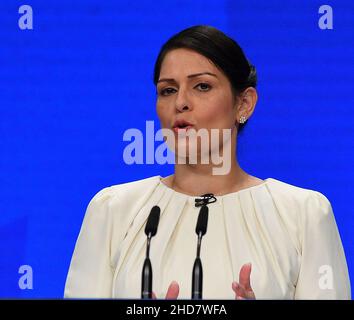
x: 206, y: 199
x: 150, y: 231
x: 197, y: 275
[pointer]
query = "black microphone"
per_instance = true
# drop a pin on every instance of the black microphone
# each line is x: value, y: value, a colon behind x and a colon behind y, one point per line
x: 150, y: 231
x: 197, y: 275
x: 202, y: 223
x: 206, y: 199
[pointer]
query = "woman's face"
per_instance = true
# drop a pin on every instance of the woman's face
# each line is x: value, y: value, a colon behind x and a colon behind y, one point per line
x: 193, y: 89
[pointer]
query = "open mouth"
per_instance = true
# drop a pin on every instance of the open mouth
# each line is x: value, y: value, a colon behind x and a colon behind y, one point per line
x: 182, y: 125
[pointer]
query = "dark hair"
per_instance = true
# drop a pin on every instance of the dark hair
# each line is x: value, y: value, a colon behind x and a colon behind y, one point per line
x: 220, y: 49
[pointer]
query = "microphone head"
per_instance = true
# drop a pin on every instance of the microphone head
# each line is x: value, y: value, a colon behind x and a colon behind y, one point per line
x: 153, y: 221
x: 205, y: 199
x: 202, y: 220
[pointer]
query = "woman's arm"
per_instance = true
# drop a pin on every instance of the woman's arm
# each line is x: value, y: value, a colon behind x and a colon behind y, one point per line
x: 90, y: 273
x: 323, y: 272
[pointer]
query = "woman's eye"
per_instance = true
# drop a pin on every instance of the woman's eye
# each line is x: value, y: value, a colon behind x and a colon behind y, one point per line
x: 167, y: 91
x: 203, y: 87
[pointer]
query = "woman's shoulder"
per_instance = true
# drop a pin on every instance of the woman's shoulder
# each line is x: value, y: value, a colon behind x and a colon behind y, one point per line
x: 293, y: 192
x: 127, y: 190
x: 120, y: 202
x: 293, y: 199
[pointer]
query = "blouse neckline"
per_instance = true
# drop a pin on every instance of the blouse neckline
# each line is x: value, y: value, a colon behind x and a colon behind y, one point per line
x: 192, y: 197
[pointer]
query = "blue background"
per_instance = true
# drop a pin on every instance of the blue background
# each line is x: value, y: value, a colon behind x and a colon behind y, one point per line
x: 70, y: 87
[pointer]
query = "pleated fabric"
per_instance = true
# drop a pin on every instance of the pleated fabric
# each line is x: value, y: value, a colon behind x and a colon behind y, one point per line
x: 288, y: 233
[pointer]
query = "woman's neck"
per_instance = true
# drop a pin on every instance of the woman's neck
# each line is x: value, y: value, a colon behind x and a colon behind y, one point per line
x: 198, y: 180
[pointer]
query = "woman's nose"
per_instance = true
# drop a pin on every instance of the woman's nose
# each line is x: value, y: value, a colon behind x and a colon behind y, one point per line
x: 182, y: 103
x: 182, y: 107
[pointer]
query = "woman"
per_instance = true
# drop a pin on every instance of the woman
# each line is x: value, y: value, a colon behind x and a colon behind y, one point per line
x: 265, y: 239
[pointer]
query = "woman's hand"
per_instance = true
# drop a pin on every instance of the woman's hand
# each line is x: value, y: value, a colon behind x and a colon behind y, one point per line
x: 172, y: 291
x: 243, y: 289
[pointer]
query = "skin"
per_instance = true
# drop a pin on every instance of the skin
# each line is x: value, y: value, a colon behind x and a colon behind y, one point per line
x: 192, y: 88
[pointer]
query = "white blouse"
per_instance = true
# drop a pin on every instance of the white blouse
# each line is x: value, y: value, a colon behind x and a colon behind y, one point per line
x: 288, y: 233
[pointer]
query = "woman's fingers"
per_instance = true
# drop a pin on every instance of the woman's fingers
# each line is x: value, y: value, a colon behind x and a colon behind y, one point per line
x: 239, y: 291
x: 173, y: 290
x: 243, y: 289
x: 245, y: 276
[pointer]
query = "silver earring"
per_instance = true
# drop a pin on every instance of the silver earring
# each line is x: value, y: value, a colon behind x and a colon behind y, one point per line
x: 243, y: 119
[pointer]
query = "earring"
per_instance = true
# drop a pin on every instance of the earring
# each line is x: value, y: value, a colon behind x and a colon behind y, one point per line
x: 243, y: 119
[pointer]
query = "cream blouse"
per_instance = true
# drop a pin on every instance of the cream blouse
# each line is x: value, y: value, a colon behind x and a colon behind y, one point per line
x: 288, y: 233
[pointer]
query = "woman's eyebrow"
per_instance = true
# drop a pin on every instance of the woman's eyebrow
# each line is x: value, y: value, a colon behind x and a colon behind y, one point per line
x: 189, y: 76
x: 202, y: 73
x: 166, y: 80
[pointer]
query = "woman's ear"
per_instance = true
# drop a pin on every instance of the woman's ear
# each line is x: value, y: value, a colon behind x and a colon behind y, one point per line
x: 246, y: 103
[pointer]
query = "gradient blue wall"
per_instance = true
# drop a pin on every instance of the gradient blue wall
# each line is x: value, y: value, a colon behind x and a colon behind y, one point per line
x: 70, y: 87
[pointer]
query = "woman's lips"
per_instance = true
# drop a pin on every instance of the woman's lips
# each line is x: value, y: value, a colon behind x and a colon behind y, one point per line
x: 177, y: 129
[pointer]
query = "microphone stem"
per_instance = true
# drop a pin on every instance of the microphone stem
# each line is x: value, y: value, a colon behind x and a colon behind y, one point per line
x: 199, y: 244
x: 148, y: 245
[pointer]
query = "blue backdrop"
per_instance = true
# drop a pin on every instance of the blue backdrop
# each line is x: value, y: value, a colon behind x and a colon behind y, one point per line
x: 70, y: 87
